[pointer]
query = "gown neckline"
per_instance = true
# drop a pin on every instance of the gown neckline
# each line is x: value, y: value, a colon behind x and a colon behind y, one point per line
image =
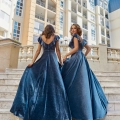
x: 47, y: 43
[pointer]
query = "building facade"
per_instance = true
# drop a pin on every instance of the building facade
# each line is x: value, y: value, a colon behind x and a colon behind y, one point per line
x: 24, y: 20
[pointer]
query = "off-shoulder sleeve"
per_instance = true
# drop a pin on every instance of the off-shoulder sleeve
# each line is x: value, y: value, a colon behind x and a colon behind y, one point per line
x: 40, y: 40
x: 57, y: 38
x: 84, y: 42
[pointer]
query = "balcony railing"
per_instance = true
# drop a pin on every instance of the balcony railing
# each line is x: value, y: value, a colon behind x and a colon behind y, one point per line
x: 40, y: 3
x: 51, y: 8
x: 73, y: 21
x: 102, y: 23
x: 108, y: 36
x: 102, y: 33
x: 84, y: 26
x: 84, y: 5
x: 106, y: 16
x: 39, y: 17
x: 107, y: 26
x: 85, y: 37
x: 74, y: 10
x: 84, y: 15
x: 51, y: 21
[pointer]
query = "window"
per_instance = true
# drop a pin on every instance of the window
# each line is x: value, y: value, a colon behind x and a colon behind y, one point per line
x: 92, y: 17
x: 106, y: 6
x: 102, y: 21
x: 92, y: 5
x: 61, y: 36
x: 16, y: 30
x: 38, y: 27
x: 101, y: 3
x: 93, y: 31
x: 61, y: 3
x: 19, y: 7
x: 4, y: 16
x: 35, y: 39
x: 61, y: 20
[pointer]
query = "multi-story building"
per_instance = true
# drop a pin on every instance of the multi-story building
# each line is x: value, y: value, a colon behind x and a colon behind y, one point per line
x: 24, y: 20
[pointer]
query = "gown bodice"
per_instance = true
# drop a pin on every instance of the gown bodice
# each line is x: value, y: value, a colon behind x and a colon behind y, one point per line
x: 81, y: 43
x: 50, y: 46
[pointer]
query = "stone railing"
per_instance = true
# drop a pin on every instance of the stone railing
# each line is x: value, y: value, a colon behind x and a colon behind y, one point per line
x: 26, y: 53
x: 93, y: 54
x: 100, y: 57
x: 113, y: 54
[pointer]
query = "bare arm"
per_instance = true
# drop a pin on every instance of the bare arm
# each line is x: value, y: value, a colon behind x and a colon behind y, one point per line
x: 58, y: 52
x: 36, y: 55
x: 74, y: 50
x: 88, y: 49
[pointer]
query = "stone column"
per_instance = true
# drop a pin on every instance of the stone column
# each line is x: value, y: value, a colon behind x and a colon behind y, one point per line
x: 9, y: 52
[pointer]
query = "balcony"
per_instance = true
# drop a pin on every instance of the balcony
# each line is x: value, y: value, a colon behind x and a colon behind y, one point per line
x: 85, y: 36
x: 51, y: 21
x: 40, y: 3
x: 106, y: 16
x: 73, y: 21
x: 85, y: 26
x: 102, y: 32
x: 84, y: 5
x: 51, y: 8
x: 85, y: 16
x: 74, y: 10
x: 107, y: 26
x: 39, y: 17
x: 108, y: 36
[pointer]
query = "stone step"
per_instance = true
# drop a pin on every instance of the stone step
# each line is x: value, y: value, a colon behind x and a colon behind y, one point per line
x: 11, y: 95
x: 8, y: 88
x: 110, y: 83
x: 15, y: 81
x: 6, y: 115
x: 7, y: 103
x: 96, y: 72
x: 7, y: 95
x: 111, y: 89
x: 10, y: 75
x: 108, y: 78
x: 10, y: 81
x: 113, y: 115
x: 107, y: 73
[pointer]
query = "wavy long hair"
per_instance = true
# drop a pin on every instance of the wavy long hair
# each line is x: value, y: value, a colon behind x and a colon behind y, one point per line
x: 48, y: 31
x: 79, y: 30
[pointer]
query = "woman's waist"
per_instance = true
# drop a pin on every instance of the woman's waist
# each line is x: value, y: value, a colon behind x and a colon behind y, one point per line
x: 48, y: 50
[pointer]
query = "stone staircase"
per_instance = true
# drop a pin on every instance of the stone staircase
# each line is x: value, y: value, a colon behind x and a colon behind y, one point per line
x: 110, y: 81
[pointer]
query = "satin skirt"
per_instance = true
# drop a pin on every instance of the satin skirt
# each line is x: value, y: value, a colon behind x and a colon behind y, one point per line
x: 41, y: 93
x: 86, y: 98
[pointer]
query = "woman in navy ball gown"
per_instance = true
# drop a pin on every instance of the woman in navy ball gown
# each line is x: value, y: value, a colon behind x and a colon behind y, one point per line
x: 41, y: 94
x: 86, y: 98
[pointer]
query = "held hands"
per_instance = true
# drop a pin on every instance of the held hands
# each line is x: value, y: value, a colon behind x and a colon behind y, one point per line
x: 30, y: 65
x: 64, y: 58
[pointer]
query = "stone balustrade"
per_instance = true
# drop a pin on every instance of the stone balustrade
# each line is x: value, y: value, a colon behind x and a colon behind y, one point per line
x: 26, y: 53
x: 113, y: 55
x: 99, y: 58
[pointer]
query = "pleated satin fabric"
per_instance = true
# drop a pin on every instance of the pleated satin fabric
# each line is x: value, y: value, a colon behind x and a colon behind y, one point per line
x: 41, y: 93
x: 85, y: 95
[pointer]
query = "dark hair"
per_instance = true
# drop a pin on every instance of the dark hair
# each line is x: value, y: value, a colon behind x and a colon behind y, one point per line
x: 48, y: 31
x: 79, y: 30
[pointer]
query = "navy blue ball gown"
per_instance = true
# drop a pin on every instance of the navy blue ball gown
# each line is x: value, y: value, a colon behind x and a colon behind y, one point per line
x: 41, y: 93
x: 86, y: 98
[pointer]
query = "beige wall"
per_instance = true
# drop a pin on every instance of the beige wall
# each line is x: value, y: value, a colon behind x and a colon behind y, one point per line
x: 9, y: 52
x: 115, y: 28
